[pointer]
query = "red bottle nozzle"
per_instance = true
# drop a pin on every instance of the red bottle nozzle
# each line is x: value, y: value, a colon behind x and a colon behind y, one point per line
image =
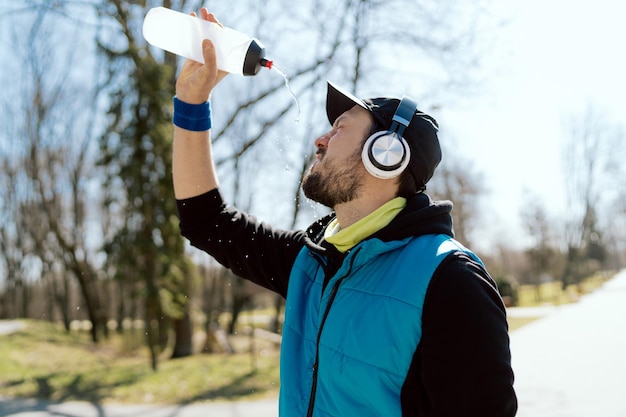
x: 267, y: 63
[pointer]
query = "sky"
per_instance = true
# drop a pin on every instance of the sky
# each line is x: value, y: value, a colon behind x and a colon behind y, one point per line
x: 555, y: 57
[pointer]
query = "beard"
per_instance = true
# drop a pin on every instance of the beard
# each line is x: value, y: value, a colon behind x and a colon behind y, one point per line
x: 334, y: 183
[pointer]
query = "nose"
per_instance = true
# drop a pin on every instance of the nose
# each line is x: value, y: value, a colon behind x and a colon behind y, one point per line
x: 322, y: 141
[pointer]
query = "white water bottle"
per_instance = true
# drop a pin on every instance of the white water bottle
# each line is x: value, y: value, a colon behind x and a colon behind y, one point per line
x: 182, y: 34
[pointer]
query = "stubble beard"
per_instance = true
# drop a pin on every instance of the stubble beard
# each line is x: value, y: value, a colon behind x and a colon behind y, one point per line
x: 333, y: 184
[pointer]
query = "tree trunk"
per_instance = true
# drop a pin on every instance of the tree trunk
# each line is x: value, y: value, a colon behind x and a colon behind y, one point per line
x: 95, y: 309
x: 184, y: 341
x: 153, y: 313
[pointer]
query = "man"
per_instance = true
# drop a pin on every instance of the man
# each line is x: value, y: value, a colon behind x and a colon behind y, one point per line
x: 386, y: 315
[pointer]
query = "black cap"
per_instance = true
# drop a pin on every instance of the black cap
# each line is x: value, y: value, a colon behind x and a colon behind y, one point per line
x: 421, y: 134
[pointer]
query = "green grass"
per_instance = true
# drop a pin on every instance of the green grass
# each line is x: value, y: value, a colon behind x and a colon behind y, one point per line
x: 43, y: 361
x: 518, y: 322
x: 552, y: 292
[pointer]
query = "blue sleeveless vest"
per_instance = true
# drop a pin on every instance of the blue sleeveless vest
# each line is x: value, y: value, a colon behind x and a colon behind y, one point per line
x: 350, y: 347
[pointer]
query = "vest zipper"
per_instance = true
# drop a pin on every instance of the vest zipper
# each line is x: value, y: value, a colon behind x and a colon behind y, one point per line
x: 331, y: 299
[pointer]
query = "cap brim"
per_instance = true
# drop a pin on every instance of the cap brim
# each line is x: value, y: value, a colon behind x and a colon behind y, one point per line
x: 339, y: 101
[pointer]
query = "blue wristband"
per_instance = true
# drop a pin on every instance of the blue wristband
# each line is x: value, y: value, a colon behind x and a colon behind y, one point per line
x: 194, y: 117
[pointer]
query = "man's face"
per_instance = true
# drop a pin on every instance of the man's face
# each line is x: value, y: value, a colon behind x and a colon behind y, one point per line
x: 337, y: 174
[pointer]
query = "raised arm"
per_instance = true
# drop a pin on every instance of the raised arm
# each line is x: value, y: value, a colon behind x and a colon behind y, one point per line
x: 193, y: 168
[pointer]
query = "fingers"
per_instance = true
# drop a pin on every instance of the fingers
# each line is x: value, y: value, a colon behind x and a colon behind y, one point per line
x: 196, y: 80
x: 208, y: 52
x: 211, y: 18
x: 204, y: 14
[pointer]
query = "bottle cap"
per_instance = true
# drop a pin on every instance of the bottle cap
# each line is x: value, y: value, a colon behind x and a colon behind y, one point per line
x: 255, y: 58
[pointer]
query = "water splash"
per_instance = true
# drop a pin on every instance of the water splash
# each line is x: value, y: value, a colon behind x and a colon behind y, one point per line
x: 295, y: 99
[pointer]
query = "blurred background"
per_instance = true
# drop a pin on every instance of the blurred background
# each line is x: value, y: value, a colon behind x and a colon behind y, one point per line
x: 529, y: 97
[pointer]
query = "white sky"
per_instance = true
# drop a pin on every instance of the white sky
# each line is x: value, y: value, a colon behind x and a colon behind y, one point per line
x: 560, y: 56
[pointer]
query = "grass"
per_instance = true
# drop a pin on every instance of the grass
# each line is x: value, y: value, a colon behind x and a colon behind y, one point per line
x: 43, y: 361
x: 551, y: 293
x: 518, y: 322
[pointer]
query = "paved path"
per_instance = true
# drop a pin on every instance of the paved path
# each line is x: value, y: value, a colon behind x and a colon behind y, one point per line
x: 10, y: 326
x: 573, y: 362
x: 570, y: 363
x: 32, y: 408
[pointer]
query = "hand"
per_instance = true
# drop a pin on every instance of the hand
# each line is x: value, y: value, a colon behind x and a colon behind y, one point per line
x: 196, y: 80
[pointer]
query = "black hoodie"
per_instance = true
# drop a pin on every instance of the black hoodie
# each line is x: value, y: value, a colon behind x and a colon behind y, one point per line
x: 462, y: 366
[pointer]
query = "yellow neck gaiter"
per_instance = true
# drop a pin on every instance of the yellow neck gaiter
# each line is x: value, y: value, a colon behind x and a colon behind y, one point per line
x: 346, y: 239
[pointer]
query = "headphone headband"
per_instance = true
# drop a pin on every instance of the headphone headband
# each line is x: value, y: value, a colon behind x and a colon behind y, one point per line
x: 403, y: 115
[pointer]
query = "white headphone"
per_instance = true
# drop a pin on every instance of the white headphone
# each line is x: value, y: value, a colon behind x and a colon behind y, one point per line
x: 386, y: 154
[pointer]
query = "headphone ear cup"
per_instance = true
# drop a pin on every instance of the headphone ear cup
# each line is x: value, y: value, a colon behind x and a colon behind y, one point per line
x: 385, y: 155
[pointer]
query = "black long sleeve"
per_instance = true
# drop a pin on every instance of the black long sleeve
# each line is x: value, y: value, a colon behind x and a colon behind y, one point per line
x: 250, y: 248
x: 462, y: 366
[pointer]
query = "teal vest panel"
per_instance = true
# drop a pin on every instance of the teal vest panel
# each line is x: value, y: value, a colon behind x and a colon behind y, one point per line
x: 371, y: 331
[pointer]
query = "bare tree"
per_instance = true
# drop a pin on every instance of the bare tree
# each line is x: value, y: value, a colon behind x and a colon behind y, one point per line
x: 371, y: 47
x: 458, y: 180
x: 14, y: 245
x: 54, y: 163
x: 593, y: 165
x: 545, y: 259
